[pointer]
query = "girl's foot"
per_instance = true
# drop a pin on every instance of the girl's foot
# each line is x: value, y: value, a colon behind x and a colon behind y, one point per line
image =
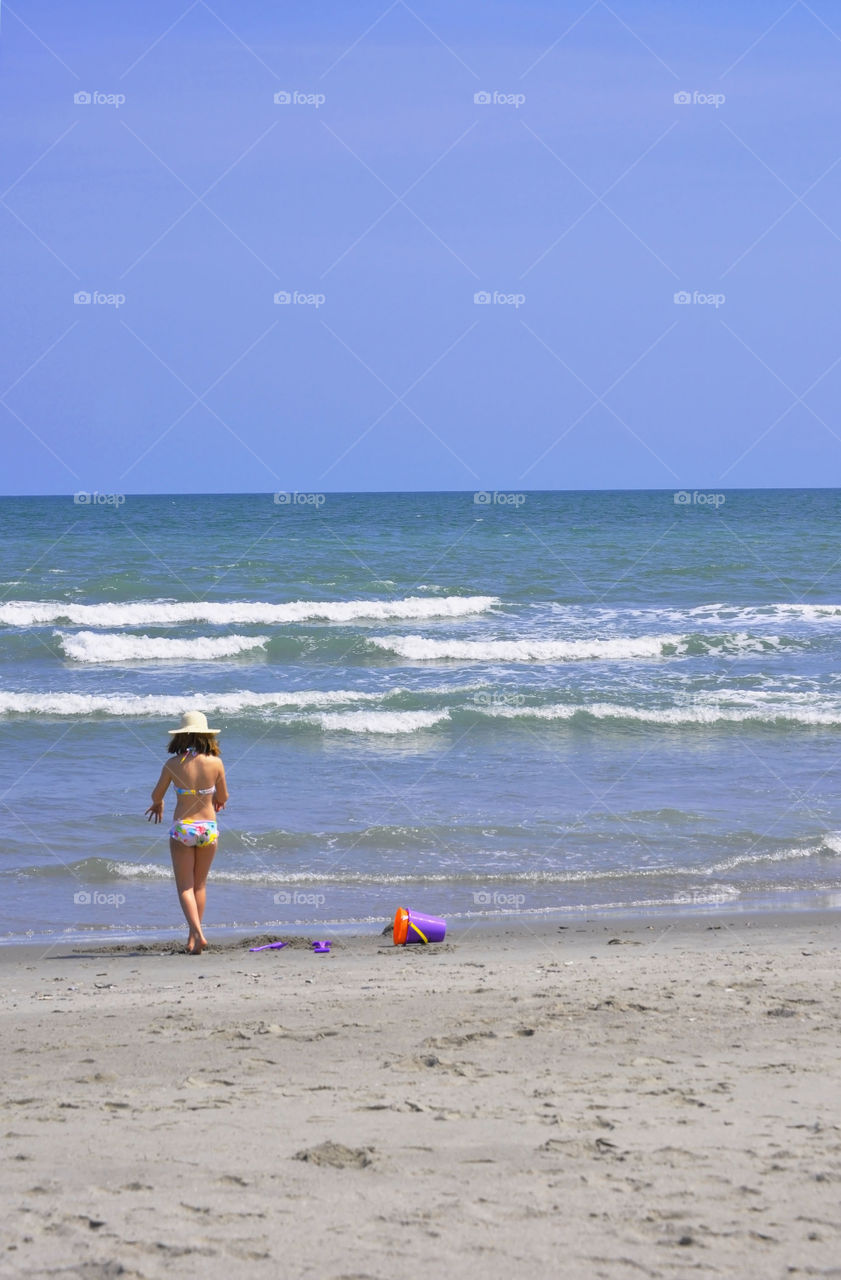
x: 194, y: 945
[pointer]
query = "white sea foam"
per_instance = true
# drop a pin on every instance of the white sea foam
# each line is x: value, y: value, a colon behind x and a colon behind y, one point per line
x: 60, y: 703
x: 158, y: 613
x: 691, y: 713
x: 751, y: 614
x: 614, y: 649
x: 717, y: 613
x: 104, y: 646
x: 382, y: 721
x: 341, y: 713
x: 762, y: 859
x: 100, y: 870
x: 419, y: 648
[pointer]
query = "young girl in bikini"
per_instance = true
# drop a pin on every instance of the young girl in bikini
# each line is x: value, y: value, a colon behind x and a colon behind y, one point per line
x: 198, y: 775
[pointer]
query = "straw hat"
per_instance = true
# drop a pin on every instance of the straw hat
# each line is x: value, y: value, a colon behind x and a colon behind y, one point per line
x: 193, y: 722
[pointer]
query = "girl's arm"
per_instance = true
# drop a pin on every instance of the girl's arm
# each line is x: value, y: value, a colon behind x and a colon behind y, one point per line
x: 156, y: 808
x: 220, y: 799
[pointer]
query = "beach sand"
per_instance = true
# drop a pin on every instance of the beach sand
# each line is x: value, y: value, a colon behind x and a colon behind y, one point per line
x: 612, y: 1099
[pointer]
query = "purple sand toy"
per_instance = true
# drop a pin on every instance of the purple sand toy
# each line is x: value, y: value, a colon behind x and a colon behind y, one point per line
x: 270, y: 946
x: 321, y: 948
x: 412, y: 926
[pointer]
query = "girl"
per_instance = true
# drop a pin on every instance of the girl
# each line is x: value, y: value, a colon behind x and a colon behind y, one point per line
x: 198, y: 776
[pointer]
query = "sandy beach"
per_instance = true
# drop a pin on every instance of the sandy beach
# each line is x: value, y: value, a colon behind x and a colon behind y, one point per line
x: 421, y: 488
x: 610, y: 1099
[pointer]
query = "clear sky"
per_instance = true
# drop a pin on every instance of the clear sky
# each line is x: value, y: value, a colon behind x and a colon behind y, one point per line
x: 581, y: 198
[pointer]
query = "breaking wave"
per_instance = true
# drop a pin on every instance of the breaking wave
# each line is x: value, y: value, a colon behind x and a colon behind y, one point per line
x: 382, y: 721
x: 88, y: 704
x: 616, y: 649
x: 159, y: 613
x: 100, y: 647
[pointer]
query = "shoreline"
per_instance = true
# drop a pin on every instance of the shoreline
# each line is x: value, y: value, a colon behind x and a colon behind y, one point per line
x: 495, y: 930
x: 232, y: 938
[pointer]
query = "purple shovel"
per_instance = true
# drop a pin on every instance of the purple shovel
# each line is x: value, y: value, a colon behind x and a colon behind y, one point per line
x: 270, y: 946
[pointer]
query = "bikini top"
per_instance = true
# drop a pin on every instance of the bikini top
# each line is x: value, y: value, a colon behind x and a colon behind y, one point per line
x: 192, y: 791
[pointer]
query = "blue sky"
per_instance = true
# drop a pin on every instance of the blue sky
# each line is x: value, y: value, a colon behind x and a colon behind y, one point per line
x: 582, y: 198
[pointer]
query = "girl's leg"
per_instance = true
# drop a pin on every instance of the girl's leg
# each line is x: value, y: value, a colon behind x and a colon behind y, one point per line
x: 183, y: 864
x: 204, y: 857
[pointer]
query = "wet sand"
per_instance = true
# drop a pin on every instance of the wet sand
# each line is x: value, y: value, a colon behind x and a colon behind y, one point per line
x: 611, y: 1099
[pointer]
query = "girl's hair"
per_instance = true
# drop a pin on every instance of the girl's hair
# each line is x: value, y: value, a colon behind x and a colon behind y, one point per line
x: 206, y: 744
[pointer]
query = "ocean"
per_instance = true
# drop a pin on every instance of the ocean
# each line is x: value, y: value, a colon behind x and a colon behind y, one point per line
x: 473, y: 705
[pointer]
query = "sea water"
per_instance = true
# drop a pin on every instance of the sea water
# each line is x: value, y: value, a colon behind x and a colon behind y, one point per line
x: 473, y: 705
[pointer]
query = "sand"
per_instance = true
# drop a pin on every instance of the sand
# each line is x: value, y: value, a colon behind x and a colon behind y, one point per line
x: 611, y: 1099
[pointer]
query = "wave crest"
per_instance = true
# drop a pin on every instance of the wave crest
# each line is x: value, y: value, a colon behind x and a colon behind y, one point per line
x: 382, y: 721
x: 101, y: 647
x: 708, y: 714
x: 615, y: 649
x: 161, y: 613
x: 62, y: 703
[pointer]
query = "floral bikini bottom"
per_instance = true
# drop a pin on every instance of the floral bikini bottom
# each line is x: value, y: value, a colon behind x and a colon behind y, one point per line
x: 194, y: 834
